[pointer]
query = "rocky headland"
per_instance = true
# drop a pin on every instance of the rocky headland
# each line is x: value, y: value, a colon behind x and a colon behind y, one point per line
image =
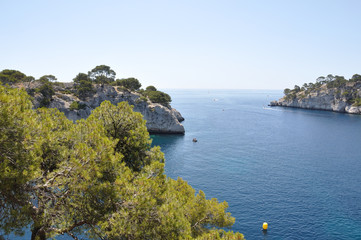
x: 332, y: 93
x: 159, y: 118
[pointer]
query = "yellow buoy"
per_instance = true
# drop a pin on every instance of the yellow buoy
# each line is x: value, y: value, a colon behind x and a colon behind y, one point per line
x: 265, y: 226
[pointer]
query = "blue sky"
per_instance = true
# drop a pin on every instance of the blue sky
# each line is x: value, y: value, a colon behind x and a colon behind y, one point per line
x: 184, y: 44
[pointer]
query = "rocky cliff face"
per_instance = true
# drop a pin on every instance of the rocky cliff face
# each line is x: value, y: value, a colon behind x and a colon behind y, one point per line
x: 159, y: 118
x: 341, y: 99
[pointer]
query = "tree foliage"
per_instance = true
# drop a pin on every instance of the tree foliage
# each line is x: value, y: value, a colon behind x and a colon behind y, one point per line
x: 76, y: 105
x: 47, y: 90
x: 150, y: 88
x: 98, y: 179
x: 128, y: 128
x: 132, y: 84
x: 102, y: 74
x: 47, y: 78
x: 331, y: 82
x: 83, y: 86
x: 297, y: 88
x: 356, y: 78
x: 159, y: 97
x: 336, y: 81
x: 286, y: 91
x: 156, y: 96
x: 8, y: 76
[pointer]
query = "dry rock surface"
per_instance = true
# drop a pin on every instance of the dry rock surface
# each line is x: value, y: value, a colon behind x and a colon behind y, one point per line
x: 341, y: 99
x: 159, y: 118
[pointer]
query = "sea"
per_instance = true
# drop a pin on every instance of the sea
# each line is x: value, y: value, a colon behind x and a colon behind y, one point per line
x: 298, y: 170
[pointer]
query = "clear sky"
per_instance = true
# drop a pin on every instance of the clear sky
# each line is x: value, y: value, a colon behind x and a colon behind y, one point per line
x: 231, y: 44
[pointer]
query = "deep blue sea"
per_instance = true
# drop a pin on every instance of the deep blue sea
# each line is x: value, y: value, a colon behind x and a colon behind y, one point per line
x: 299, y: 170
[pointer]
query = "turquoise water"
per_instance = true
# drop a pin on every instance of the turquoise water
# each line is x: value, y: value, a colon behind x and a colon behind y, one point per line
x: 298, y: 170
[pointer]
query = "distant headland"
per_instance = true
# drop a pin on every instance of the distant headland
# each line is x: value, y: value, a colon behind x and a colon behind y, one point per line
x: 331, y: 93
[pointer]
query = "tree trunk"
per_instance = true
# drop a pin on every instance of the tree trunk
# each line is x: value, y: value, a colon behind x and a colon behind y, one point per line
x: 38, y: 234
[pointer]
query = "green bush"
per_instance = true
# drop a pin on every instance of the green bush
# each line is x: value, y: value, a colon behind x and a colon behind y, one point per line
x: 150, y: 88
x: 12, y: 76
x: 356, y: 78
x: 337, y: 81
x: 31, y: 91
x: 77, y: 106
x: 156, y: 96
x: 286, y: 91
x: 47, y: 91
x: 83, y: 86
x: 132, y: 84
x: 66, y: 91
x: 159, y: 97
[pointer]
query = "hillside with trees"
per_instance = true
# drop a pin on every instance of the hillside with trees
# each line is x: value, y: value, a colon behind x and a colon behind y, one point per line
x: 84, y: 84
x: 333, y: 93
x: 98, y: 178
x: 88, y: 90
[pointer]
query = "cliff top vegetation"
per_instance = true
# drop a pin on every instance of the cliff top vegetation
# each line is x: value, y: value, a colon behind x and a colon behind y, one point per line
x: 83, y: 84
x: 329, y: 82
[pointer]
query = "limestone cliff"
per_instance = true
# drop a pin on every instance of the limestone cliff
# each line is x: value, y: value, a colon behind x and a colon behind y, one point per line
x: 159, y: 118
x: 344, y: 98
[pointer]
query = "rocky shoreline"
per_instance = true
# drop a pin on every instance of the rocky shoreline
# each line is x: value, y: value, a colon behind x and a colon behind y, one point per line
x: 338, y: 99
x: 160, y: 119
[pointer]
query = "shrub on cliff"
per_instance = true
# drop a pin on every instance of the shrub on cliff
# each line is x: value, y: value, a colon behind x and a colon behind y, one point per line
x: 47, y: 78
x: 97, y: 179
x: 8, y: 76
x: 131, y: 84
x: 46, y: 89
x: 83, y: 86
x: 336, y: 82
x: 356, y: 78
x: 291, y: 96
x: 330, y: 81
x: 159, y: 97
x: 77, y: 106
x: 150, y: 88
x: 156, y: 96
